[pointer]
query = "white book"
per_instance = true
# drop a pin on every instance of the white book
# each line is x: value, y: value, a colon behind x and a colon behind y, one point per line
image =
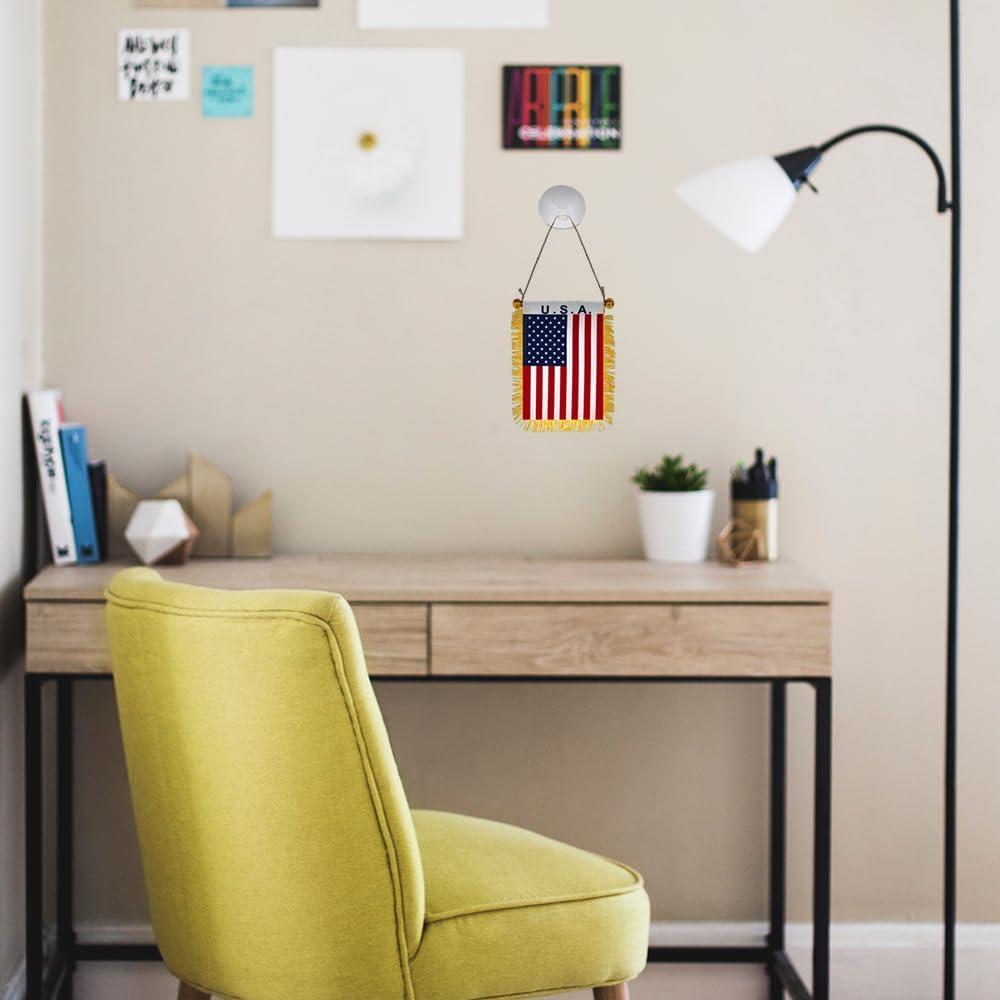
x: 45, y: 409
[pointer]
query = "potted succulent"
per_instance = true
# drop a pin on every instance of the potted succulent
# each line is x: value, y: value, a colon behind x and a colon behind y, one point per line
x: 675, y: 510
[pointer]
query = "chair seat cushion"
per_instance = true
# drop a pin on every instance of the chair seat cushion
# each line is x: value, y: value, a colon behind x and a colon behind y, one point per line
x: 510, y: 913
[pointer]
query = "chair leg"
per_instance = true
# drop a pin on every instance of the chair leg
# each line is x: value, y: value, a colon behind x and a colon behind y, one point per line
x: 185, y: 992
x: 619, y: 992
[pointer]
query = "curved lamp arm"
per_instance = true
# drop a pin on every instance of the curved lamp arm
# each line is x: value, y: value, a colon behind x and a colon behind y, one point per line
x: 799, y: 164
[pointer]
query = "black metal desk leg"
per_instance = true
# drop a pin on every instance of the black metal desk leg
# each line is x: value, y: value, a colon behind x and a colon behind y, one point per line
x: 821, y: 840
x: 776, y: 867
x: 33, y: 834
x: 65, y: 937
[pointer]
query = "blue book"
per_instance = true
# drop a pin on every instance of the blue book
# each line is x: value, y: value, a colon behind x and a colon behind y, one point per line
x: 73, y: 438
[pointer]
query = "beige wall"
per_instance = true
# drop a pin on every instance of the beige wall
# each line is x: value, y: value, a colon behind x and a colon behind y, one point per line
x: 20, y: 302
x: 174, y: 321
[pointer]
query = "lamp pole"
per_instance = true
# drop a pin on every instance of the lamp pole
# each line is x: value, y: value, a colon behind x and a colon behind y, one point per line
x: 799, y: 165
x: 747, y: 201
x: 951, y: 696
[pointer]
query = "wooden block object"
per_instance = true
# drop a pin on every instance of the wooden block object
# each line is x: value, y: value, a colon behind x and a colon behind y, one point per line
x: 251, y: 535
x: 211, y: 506
x: 206, y: 494
x: 121, y: 506
x: 179, y: 489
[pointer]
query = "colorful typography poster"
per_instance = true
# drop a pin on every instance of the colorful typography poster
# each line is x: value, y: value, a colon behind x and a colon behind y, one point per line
x: 562, y: 107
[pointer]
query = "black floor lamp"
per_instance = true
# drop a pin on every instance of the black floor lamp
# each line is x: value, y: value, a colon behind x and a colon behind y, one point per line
x: 747, y: 201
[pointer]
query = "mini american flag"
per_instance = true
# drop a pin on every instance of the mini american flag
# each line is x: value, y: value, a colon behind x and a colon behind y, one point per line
x: 563, y: 356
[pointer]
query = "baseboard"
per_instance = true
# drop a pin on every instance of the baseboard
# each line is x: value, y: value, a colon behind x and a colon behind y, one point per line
x: 99, y: 932
x: 842, y: 936
x: 17, y: 985
x: 665, y: 932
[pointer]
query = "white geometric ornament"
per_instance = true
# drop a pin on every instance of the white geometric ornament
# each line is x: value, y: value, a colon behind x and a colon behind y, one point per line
x: 159, y: 531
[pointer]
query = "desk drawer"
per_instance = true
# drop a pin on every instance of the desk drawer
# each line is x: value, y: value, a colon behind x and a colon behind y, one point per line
x: 637, y: 640
x: 69, y: 637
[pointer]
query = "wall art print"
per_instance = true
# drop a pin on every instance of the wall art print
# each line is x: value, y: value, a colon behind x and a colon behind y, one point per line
x: 368, y: 143
x: 453, y: 13
x: 227, y: 91
x: 562, y: 107
x: 154, y: 64
x: 222, y: 4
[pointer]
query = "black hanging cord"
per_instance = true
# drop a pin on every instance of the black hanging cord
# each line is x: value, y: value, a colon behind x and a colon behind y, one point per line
x: 524, y: 291
x: 597, y: 280
x: 548, y: 233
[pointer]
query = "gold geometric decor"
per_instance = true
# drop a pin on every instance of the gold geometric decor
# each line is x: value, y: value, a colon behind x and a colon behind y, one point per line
x: 206, y: 494
x: 251, y: 535
x: 741, y: 542
x: 122, y: 502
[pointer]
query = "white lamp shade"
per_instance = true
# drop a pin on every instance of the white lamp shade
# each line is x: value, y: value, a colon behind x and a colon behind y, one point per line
x: 745, y: 201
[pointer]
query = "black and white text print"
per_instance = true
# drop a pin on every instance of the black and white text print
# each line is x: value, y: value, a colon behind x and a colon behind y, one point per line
x: 154, y: 64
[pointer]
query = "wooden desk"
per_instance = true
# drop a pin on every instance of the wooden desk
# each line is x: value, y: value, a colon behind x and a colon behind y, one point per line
x: 467, y: 619
x: 433, y: 616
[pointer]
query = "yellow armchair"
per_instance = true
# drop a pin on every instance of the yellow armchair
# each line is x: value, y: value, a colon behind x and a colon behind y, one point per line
x: 281, y: 858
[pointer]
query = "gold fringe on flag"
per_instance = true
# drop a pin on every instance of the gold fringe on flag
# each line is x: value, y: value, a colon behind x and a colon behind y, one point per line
x: 517, y: 348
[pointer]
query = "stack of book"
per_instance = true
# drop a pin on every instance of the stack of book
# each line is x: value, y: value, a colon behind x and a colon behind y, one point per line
x: 73, y: 489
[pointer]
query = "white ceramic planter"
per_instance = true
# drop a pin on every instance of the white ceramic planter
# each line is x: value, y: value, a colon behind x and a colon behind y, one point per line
x: 676, y: 527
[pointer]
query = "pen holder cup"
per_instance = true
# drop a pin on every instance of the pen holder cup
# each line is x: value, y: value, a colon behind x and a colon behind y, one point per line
x: 762, y: 516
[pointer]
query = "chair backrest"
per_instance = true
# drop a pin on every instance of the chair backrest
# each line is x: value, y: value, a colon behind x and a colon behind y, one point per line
x: 277, y: 844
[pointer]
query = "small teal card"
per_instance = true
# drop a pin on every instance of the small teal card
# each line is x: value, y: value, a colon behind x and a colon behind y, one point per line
x: 227, y: 91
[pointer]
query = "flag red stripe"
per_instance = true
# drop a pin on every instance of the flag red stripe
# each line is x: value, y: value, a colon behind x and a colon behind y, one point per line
x: 587, y: 361
x: 525, y: 392
x: 562, y: 390
x: 552, y: 392
x: 538, y: 393
x: 599, y: 374
x: 575, y: 413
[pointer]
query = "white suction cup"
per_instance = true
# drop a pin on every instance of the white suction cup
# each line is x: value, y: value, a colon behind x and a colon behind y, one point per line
x: 562, y: 206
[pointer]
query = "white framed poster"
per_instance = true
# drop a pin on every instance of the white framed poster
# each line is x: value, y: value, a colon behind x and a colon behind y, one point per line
x: 453, y: 13
x: 368, y: 143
